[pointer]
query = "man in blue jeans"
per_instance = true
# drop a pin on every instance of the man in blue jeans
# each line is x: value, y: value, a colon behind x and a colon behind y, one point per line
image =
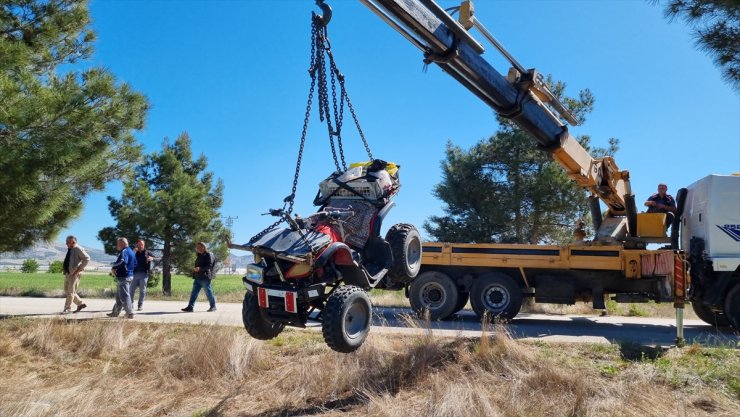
x: 144, y: 260
x: 123, y: 269
x: 202, y: 276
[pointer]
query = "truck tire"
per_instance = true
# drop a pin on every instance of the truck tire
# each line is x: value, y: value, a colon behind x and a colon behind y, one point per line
x: 346, y: 318
x: 496, y: 294
x: 732, y: 307
x: 435, y: 294
x: 708, y: 316
x: 406, y: 248
x: 256, y: 325
x: 462, y: 300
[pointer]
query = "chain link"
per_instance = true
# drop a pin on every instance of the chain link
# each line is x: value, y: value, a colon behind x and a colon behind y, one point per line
x: 320, y: 46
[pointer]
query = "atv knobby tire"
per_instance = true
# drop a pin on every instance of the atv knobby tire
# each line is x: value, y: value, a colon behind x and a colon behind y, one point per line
x: 346, y: 318
x: 405, y: 244
x: 256, y: 325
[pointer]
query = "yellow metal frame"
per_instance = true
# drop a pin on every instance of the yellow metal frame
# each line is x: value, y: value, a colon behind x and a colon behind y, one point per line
x: 521, y: 257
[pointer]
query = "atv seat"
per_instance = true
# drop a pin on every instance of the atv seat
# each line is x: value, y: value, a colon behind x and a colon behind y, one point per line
x: 364, y: 224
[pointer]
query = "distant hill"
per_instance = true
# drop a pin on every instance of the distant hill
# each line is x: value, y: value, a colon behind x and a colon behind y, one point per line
x: 46, y: 253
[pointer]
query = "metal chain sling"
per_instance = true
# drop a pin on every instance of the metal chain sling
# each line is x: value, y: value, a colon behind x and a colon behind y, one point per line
x: 320, y: 46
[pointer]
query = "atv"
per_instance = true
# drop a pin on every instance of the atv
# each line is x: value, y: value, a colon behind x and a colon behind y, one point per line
x: 321, y: 267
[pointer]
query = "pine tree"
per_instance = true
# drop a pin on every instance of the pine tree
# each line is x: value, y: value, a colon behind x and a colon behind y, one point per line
x: 62, y: 135
x: 172, y: 203
x: 716, y: 28
x: 504, y: 189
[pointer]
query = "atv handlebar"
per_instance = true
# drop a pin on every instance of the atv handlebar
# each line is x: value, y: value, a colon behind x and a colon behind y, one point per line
x: 337, y: 214
x: 284, y: 215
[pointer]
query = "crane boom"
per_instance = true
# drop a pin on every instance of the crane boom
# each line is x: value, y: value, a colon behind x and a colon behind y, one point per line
x: 520, y: 97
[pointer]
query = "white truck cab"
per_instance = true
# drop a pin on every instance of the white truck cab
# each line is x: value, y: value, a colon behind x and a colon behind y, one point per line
x: 710, y: 236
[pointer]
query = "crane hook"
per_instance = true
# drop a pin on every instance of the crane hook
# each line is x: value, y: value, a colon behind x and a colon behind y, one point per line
x: 322, y: 19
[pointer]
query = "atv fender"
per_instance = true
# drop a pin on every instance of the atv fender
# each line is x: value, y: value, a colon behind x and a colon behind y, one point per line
x: 340, y: 253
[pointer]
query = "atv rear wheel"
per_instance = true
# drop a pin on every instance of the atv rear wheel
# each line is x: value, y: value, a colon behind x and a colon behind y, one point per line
x: 256, y: 325
x: 346, y: 318
x: 405, y: 244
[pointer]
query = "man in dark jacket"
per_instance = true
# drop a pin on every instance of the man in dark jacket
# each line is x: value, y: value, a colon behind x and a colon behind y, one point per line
x: 144, y: 260
x: 123, y: 269
x: 662, y: 202
x: 202, y: 276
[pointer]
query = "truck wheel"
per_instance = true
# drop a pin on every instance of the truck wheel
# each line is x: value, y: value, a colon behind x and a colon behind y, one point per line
x: 708, y: 316
x: 434, y: 292
x: 497, y: 294
x: 732, y: 307
x: 256, y: 325
x: 346, y: 318
x: 406, y: 248
x: 462, y: 299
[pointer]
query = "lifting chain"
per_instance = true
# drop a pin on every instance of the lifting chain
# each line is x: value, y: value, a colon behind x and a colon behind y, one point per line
x: 320, y: 49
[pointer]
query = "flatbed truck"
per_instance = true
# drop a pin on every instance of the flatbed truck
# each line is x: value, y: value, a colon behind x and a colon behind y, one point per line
x: 699, y: 262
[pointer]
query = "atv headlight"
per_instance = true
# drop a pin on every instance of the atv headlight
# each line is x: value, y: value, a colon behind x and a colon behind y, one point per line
x: 255, y: 273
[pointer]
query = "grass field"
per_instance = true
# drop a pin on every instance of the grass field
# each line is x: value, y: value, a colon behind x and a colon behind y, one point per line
x: 79, y: 368
x: 228, y: 288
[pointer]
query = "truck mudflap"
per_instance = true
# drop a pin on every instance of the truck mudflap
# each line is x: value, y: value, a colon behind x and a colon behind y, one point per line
x: 681, y: 279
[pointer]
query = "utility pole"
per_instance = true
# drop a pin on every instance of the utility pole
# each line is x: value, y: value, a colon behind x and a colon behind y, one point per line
x: 229, y: 221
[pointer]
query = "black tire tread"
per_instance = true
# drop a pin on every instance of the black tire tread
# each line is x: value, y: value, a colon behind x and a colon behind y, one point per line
x: 452, y: 295
x: 256, y: 325
x: 515, y: 295
x: 332, y: 319
x: 395, y: 236
x: 708, y: 316
x: 732, y: 307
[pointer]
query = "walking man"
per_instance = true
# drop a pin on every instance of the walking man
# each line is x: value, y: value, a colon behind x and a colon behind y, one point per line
x: 123, y: 269
x: 202, y: 276
x: 144, y: 260
x: 74, y: 263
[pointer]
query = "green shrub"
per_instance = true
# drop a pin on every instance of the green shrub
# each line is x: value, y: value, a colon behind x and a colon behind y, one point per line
x: 153, y: 280
x: 30, y: 266
x: 56, y: 267
x: 637, y: 311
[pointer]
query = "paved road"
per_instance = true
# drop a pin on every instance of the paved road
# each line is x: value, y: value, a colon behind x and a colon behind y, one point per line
x: 556, y: 328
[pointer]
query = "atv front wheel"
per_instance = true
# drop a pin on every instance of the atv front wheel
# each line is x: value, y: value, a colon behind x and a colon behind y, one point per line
x: 346, y: 318
x: 256, y: 325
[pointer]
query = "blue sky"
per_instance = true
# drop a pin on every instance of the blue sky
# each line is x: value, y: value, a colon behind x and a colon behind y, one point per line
x: 233, y: 74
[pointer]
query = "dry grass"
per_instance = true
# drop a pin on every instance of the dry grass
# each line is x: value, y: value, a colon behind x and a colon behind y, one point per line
x: 67, y: 368
x: 650, y: 309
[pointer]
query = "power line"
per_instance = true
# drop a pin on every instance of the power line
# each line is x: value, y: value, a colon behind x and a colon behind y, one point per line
x: 229, y: 221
